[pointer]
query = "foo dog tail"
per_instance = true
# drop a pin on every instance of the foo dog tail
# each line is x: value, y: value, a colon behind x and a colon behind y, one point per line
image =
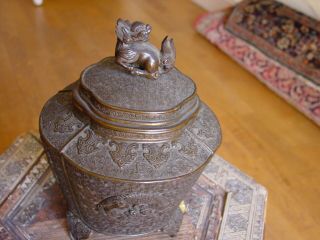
x: 167, y: 55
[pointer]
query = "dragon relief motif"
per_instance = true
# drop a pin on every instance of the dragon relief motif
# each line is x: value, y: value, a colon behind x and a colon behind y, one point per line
x: 128, y: 205
x: 122, y: 153
x: 136, y: 54
x: 87, y: 144
x: 156, y: 155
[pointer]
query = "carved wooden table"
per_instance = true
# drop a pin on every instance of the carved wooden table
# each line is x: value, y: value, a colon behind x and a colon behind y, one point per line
x: 224, y: 204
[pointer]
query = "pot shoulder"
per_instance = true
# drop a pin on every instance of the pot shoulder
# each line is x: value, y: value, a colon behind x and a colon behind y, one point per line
x: 76, y: 138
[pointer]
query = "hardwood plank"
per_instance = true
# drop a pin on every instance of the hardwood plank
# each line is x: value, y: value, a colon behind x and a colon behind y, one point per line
x: 44, y: 49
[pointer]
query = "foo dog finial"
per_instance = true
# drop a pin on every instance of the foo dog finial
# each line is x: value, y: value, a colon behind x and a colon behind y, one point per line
x: 135, y: 53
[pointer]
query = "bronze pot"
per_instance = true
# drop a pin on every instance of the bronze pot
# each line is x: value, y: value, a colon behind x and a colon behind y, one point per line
x: 128, y: 140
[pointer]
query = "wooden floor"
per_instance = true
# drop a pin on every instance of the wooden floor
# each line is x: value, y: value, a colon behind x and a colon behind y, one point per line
x: 44, y: 49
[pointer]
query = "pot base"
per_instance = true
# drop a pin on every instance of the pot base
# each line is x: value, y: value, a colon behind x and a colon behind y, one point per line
x: 79, y: 230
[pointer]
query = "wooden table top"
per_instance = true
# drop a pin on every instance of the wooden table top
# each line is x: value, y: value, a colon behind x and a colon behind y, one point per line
x: 44, y: 49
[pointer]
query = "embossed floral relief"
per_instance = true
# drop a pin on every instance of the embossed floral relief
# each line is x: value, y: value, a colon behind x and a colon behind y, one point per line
x: 118, y: 158
x: 156, y: 155
x: 66, y: 123
x: 206, y: 131
x: 123, y: 153
x: 203, y: 127
x: 190, y: 148
x: 87, y: 144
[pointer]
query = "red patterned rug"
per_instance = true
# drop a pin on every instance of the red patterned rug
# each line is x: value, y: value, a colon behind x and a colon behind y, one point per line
x: 280, y: 46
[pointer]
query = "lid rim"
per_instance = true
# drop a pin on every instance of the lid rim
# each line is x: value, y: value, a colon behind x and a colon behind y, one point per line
x: 158, y: 133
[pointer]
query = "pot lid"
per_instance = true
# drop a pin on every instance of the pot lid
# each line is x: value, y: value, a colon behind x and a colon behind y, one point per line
x: 139, y: 90
x: 131, y: 117
x: 112, y: 86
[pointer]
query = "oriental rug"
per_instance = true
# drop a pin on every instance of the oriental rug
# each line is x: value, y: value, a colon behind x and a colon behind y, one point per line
x: 279, y: 45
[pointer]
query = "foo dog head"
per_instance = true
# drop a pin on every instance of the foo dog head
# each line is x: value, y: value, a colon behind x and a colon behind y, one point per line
x: 132, y: 32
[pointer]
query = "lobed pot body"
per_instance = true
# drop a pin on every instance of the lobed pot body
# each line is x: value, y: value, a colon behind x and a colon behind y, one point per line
x: 125, y: 168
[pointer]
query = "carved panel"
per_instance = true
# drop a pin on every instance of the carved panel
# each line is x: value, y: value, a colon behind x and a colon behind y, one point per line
x: 110, y: 206
x: 87, y: 144
x: 60, y: 120
x: 66, y: 123
x: 133, y: 207
x: 137, y: 161
x: 156, y: 154
x: 206, y: 128
x: 189, y: 149
x: 123, y: 153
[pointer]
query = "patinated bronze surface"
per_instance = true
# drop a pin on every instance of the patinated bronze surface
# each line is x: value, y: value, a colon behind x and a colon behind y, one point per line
x: 126, y: 150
